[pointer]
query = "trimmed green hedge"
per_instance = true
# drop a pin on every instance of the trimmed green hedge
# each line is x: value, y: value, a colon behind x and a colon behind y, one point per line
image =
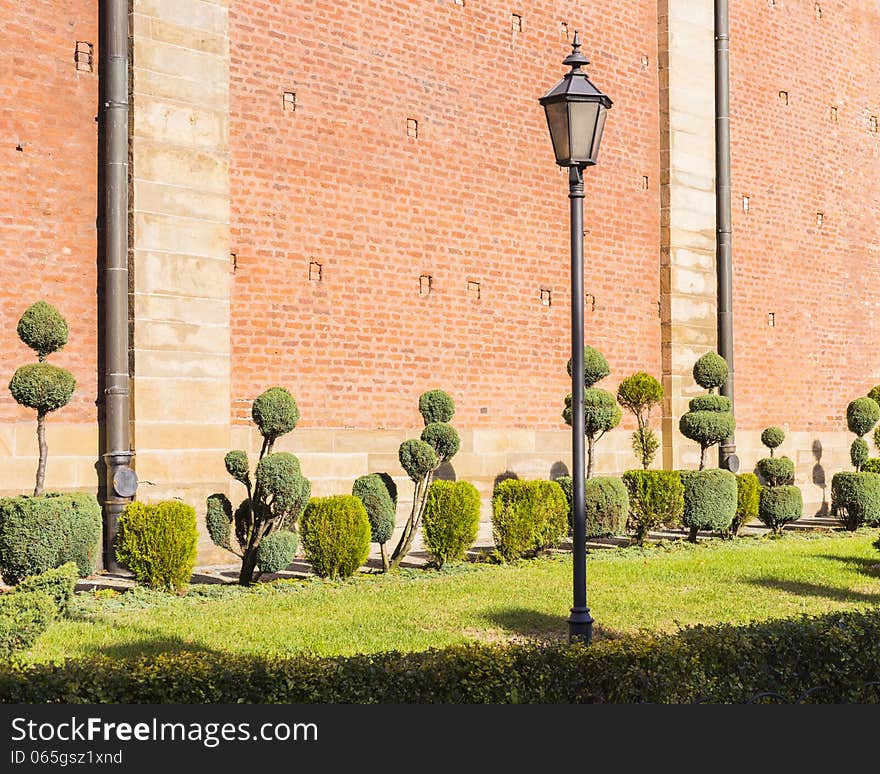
x: 656, y: 498
x: 748, y: 493
x: 336, y: 535
x: 606, y: 505
x: 855, y: 499
x: 24, y: 617
x: 451, y: 520
x: 157, y: 542
x: 710, y: 499
x: 58, y: 583
x: 527, y: 517
x: 837, y: 654
x: 780, y: 505
x: 39, y: 533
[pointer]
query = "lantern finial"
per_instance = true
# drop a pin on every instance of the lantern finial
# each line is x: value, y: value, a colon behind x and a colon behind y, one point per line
x: 576, y: 59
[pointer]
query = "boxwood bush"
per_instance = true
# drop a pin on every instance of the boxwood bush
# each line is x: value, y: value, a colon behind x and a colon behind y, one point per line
x: 780, y: 505
x: 855, y: 499
x: 776, y: 471
x: 834, y: 657
x: 276, y: 550
x: 528, y: 517
x: 23, y: 618
x: 710, y: 499
x: 39, y: 533
x: 58, y: 583
x: 157, y: 542
x: 748, y: 493
x: 451, y: 520
x: 607, y: 506
x: 336, y: 535
x: 656, y: 498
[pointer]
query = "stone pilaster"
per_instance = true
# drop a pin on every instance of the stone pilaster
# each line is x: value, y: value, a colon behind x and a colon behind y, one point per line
x: 180, y: 248
x: 687, y: 248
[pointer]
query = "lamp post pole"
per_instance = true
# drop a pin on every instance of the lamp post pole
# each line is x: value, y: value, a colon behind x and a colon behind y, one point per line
x: 580, y: 623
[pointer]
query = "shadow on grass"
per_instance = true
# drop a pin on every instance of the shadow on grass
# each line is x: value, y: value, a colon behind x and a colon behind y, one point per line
x: 150, y: 642
x: 523, y: 622
x: 862, y: 564
x: 803, y: 589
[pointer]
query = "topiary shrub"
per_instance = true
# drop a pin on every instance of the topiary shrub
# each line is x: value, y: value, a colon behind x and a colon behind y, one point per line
x: 58, y: 583
x: 23, y: 618
x: 640, y: 394
x: 607, y: 506
x: 748, y: 493
x: 861, y: 416
x: 772, y: 437
x: 656, y: 497
x: 528, y: 517
x: 39, y: 533
x: 41, y: 386
x: 708, y: 420
x: 378, y: 493
x: 420, y: 458
x: 855, y: 499
x: 157, y: 542
x: 711, y: 371
x: 601, y: 412
x: 780, y: 505
x: 710, y: 499
x: 452, y: 518
x: 276, y: 551
x: 276, y: 496
x: 776, y: 471
x: 336, y: 535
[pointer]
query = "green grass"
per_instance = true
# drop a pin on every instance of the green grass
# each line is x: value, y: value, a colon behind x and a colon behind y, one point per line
x: 630, y: 589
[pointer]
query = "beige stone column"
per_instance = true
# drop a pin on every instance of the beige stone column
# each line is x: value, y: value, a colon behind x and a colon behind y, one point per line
x: 687, y: 186
x: 180, y: 242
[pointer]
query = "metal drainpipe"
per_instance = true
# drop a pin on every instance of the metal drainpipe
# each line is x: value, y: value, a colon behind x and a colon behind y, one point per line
x: 727, y: 451
x: 121, y: 479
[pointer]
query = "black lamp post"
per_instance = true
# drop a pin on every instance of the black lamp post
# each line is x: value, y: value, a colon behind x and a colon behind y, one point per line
x: 576, y: 112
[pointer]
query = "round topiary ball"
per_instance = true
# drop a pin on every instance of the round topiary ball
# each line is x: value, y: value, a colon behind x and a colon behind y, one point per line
x: 772, y: 437
x: 42, y: 387
x: 43, y: 328
x: 711, y: 370
x: 595, y: 366
x: 436, y: 406
x: 237, y: 466
x: 275, y: 412
x: 443, y: 439
x: 417, y: 458
x: 277, y: 551
x: 776, y: 471
x: 861, y: 415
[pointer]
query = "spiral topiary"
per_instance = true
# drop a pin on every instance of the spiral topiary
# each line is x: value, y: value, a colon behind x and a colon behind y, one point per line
x: 711, y: 371
x: 41, y: 386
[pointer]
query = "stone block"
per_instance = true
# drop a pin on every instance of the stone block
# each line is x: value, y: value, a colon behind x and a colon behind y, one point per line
x: 183, y: 337
x: 501, y: 441
x: 155, y: 197
x: 191, y: 168
x: 180, y: 400
x: 182, y: 236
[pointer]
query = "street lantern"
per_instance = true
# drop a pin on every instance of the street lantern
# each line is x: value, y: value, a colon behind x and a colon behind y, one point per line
x: 576, y: 112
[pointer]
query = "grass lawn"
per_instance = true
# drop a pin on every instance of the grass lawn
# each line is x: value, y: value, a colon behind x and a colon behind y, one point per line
x: 629, y: 589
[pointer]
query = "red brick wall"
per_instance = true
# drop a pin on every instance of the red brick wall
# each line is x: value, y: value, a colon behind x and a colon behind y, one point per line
x: 47, y: 197
x: 823, y: 284
x: 476, y: 197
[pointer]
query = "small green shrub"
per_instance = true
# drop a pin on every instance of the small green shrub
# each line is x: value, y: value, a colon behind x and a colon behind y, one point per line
x: 748, y: 493
x: 378, y: 493
x: 336, y: 535
x: 772, y: 437
x: 640, y: 394
x: 859, y: 453
x: 776, y: 471
x: 58, y: 583
x: 710, y: 499
x: 157, y: 542
x: 528, y: 517
x: 595, y: 366
x: 871, y: 465
x: 436, y: 406
x: 39, y: 533
x: 451, y: 520
x: 706, y: 428
x: 855, y: 499
x: 656, y: 498
x: 277, y: 551
x: 23, y: 618
x: 417, y: 458
x: 606, y: 505
x: 43, y: 329
x: 780, y: 505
